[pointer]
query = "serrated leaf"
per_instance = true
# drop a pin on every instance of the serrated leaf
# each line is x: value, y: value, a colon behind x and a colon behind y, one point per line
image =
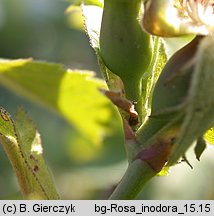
x: 92, y: 15
x: 6, y: 124
x: 209, y: 136
x: 32, y: 151
x: 158, y: 61
x: 22, y: 145
x: 74, y: 94
x: 92, y: 18
x: 199, y: 147
x: 82, y: 103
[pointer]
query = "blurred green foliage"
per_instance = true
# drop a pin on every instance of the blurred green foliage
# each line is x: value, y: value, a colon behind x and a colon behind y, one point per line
x: 41, y: 30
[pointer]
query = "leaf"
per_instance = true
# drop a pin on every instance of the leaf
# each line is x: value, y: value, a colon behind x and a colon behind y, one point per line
x: 158, y: 61
x: 81, y: 102
x: 75, y: 11
x: 87, y: 2
x: 209, y: 136
x: 92, y: 17
x: 22, y: 144
x: 164, y: 172
x: 93, y: 2
x: 74, y: 17
x: 74, y: 94
x: 200, y: 147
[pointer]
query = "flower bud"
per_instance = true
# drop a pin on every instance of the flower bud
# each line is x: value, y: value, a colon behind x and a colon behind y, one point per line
x: 199, y: 112
x: 168, y: 104
x: 124, y: 47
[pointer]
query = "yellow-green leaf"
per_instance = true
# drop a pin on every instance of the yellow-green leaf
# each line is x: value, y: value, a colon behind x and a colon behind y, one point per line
x: 209, y: 136
x: 164, y: 172
x: 87, y: 2
x: 74, y: 94
x: 22, y: 144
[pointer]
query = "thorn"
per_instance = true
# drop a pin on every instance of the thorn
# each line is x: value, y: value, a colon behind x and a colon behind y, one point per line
x: 188, y: 163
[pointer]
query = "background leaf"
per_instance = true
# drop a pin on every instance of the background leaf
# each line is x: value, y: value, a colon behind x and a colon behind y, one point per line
x: 74, y: 94
x: 22, y: 144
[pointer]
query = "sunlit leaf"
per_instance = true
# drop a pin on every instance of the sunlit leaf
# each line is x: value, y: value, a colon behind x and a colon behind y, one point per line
x: 22, y: 144
x: 92, y: 16
x: 87, y: 2
x: 92, y: 13
x: 164, y: 172
x: 93, y: 2
x: 75, y: 18
x: 81, y: 150
x: 74, y: 94
x: 81, y: 102
x: 209, y: 136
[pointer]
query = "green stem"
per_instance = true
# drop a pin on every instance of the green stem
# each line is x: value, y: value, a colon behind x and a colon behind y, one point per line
x: 137, y: 175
